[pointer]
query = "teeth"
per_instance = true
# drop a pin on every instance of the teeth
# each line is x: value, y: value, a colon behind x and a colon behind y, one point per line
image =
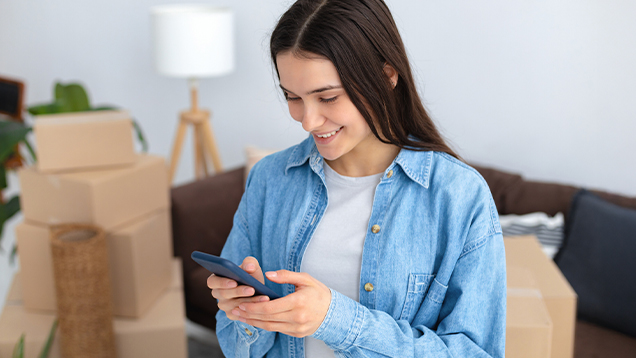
x: 329, y: 134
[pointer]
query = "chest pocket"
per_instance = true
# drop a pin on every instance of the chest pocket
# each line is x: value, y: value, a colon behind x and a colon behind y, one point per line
x: 418, y: 286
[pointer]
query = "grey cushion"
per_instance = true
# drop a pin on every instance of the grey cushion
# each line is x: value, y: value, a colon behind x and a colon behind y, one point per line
x: 599, y: 260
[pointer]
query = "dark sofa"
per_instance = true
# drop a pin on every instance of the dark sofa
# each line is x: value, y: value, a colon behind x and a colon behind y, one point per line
x: 202, y: 214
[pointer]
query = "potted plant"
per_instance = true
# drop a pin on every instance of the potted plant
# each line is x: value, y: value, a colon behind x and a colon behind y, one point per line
x: 70, y: 97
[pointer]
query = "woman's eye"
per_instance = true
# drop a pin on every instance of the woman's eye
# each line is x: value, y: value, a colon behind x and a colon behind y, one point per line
x: 328, y: 100
x: 290, y: 98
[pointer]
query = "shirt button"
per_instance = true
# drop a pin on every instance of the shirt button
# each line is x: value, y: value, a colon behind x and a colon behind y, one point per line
x: 389, y: 174
x: 368, y: 287
x: 375, y: 229
x: 249, y: 333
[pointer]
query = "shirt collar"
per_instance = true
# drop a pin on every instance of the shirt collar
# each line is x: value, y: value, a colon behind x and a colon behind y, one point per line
x: 304, y: 151
x: 415, y: 164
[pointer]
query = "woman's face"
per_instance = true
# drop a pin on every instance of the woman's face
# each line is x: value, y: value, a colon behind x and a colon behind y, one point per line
x: 318, y: 101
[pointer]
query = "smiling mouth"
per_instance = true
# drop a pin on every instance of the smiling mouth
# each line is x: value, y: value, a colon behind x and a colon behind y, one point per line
x: 327, y: 135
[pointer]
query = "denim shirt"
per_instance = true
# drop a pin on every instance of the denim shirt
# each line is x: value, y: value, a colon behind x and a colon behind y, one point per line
x: 437, y: 262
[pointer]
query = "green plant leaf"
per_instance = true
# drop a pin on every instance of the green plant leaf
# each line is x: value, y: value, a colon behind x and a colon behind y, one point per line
x: 31, y: 151
x: 18, y: 350
x: 140, y: 136
x: 12, y: 207
x: 104, y: 108
x: 11, y: 133
x: 59, y: 95
x: 73, y: 97
x: 3, y: 177
x: 49, y: 341
x: 14, y: 252
x: 50, y: 108
x: 7, y: 210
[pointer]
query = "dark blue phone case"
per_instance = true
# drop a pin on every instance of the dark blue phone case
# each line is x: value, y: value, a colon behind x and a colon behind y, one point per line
x: 226, y: 268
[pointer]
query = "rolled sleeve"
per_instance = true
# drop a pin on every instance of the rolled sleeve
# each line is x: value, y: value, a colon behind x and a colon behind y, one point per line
x: 343, y: 322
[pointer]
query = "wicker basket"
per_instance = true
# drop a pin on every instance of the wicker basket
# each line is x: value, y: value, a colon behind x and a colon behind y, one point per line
x: 82, y: 287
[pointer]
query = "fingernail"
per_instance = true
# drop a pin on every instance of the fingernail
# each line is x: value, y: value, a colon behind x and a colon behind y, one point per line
x: 242, y: 307
x: 249, y: 291
x: 271, y: 274
x: 236, y: 312
x: 263, y: 299
x: 230, y: 284
x: 250, y: 267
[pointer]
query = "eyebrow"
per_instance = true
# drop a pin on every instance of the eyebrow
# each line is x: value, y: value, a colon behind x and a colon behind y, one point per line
x: 318, y: 90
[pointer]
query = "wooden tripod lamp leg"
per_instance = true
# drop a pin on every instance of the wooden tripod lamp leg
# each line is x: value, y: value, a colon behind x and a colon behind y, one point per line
x: 198, y: 154
x: 211, y: 146
x: 176, y: 149
x: 201, y: 162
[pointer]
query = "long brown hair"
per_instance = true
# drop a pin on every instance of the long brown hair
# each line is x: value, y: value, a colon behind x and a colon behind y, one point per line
x: 359, y: 37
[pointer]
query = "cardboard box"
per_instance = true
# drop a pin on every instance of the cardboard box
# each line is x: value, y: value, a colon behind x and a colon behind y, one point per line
x: 83, y: 140
x: 528, y: 323
x: 559, y: 297
x: 107, y: 198
x: 140, y: 254
x: 159, y: 334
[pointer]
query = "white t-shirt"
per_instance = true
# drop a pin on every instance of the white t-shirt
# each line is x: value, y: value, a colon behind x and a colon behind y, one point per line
x: 334, y: 254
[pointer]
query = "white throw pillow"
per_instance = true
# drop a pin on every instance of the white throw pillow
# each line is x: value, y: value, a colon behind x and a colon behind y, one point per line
x: 549, y: 230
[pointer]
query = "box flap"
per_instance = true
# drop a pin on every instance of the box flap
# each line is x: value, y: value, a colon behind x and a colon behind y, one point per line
x: 525, y: 252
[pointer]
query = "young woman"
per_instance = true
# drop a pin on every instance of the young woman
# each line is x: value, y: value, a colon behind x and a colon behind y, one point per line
x: 381, y: 240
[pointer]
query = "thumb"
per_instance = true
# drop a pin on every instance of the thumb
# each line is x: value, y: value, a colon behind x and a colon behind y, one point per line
x: 251, y: 266
x: 294, y: 278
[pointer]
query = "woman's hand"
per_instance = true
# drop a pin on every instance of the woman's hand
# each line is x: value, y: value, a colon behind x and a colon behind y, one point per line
x: 230, y: 295
x: 298, y: 314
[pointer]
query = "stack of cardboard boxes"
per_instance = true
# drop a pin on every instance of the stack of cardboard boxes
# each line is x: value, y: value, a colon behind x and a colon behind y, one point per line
x: 88, y: 172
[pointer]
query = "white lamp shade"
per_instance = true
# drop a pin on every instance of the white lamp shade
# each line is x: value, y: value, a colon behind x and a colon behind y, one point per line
x: 193, y: 41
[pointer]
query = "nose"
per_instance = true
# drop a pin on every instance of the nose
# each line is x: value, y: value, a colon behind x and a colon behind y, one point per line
x: 312, y: 118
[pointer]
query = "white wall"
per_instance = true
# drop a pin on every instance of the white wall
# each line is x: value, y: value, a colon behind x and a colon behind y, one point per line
x: 541, y: 87
x: 544, y: 88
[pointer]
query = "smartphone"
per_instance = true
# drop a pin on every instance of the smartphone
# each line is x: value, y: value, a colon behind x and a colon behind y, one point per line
x: 226, y: 268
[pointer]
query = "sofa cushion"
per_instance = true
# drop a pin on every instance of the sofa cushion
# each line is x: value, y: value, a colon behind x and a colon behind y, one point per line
x: 592, y: 341
x: 597, y: 258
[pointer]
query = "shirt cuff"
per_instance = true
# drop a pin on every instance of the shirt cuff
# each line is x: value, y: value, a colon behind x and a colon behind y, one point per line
x: 343, y: 322
x: 247, y: 332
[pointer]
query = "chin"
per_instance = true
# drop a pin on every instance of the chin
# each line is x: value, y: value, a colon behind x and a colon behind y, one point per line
x: 329, y: 155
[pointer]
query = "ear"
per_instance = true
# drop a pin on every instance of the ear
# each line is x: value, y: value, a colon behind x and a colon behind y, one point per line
x: 391, y: 73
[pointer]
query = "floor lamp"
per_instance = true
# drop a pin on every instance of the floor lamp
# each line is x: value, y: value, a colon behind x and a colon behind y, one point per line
x: 193, y: 42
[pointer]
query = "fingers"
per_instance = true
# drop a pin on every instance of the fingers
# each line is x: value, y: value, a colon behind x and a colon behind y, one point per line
x: 270, y: 308
x: 228, y: 306
x: 296, y: 322
x: 294, y: 278
x: 215, y: 281
x: 231, y: 293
